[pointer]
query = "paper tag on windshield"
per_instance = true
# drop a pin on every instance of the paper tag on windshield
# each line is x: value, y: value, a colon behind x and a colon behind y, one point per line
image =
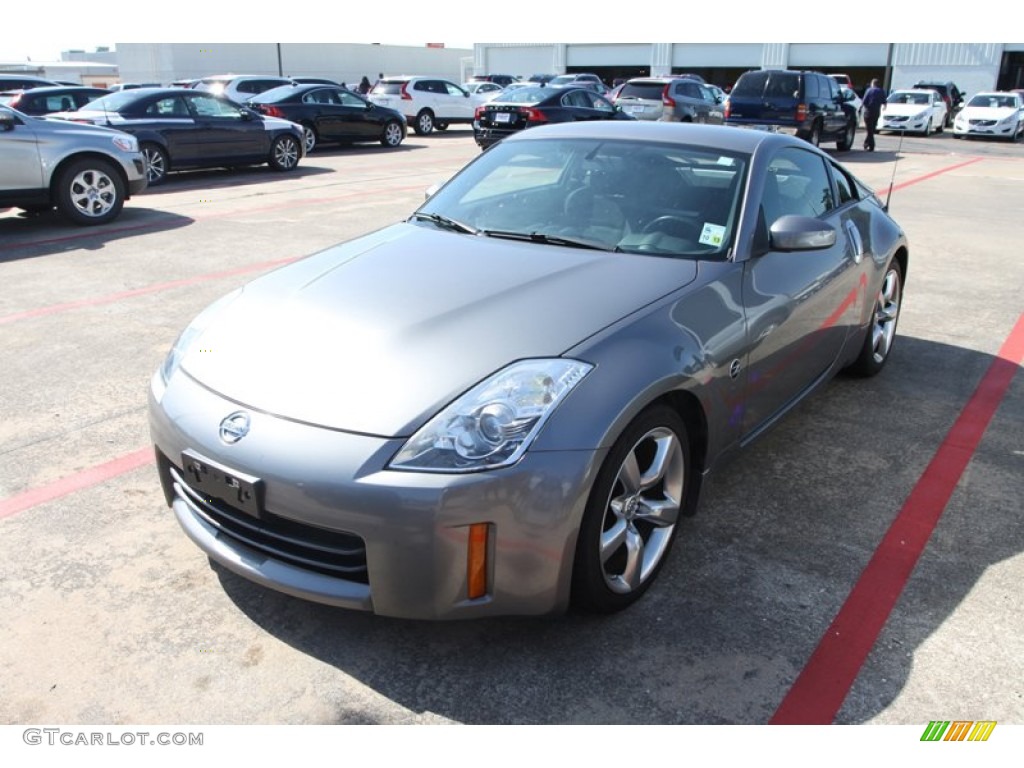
x: 712, y: 234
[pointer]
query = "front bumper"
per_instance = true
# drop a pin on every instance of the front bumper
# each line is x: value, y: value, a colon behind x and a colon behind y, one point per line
x: 917, y: 126
x: 337, y: 527
x: 995, y: 130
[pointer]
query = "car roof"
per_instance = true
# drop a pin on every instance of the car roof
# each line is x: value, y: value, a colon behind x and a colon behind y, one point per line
x: 720, y: 137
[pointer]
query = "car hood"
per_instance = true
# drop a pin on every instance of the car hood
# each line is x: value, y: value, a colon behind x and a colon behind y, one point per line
x: 376, y: 335
x: 987, y: 113
x: 904, y: 110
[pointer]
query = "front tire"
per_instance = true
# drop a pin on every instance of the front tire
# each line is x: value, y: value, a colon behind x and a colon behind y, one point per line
x: 424, y: 124
x: 392, y: 135
x: 631, y: 516
x: 90, y: 192
x: 284, y: 153
x: 157, y: 163
x: 309, y: 137
x: 881, y: 332
x: 845, y: 144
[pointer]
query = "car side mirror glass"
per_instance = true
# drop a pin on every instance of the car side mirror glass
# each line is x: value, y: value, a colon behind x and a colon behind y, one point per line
x: 7, y: 122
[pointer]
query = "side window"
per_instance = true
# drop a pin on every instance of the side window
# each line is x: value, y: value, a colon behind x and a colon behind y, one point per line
x: 810, y: 88
x: 421, y: 85
x: 796, y: 184
x: 348, y: 99
x: 173, y: 106
x: 690, y: 90
x: 847, y: 188
x: 833, y: 88
x: 208, y: 106
x: 576, y: 99
x: 601, y: 104
x: 453, y: 90
x: 706, y: 94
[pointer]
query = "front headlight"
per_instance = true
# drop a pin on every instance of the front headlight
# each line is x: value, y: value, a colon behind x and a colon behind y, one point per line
x: 492, y: 424
x: 191, y: 334
x: 126, y: 143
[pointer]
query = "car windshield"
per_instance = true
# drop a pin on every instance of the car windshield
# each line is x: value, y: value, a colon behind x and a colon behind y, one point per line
x: 905, y: 97
x: 616, y: 195
x: 528, y: 95
x: 643, y: 89
x: 562, y: 80
x: 992, y: 101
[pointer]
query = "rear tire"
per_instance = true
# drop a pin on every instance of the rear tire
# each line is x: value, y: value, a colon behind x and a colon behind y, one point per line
x: 424, y: 123
x: 881, y: 333
x: 309, y: 137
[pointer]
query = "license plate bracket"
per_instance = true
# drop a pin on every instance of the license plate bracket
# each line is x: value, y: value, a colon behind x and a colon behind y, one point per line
x: 210, y: 479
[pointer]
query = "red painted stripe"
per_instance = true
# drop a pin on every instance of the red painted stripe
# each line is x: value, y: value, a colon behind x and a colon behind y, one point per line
x: 84, y: 479
x: 822, y: 686
x: 932, y: 175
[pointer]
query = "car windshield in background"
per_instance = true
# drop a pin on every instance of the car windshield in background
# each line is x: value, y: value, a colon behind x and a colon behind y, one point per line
x: 651, y: 199
x: 525, y: 95
x: 908, y: 98
x: 642, y: 90
x: 992, y: 102
x: 767, y: 84
x: 562, y: 80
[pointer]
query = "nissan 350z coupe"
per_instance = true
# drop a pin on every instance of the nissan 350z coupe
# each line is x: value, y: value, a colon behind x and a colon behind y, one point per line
x: 507, y: 403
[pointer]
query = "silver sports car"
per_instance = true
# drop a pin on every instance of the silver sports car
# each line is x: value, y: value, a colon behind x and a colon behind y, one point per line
x: 506, y: 403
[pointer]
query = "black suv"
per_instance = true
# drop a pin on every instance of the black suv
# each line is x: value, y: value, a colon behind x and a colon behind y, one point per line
x: 950, y: 94
x: 809, y: 105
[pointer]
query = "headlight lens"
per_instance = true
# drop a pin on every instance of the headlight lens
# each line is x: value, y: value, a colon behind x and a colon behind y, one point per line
x: 191, y: 334
x: 492, y: 424
x: 127, y: 143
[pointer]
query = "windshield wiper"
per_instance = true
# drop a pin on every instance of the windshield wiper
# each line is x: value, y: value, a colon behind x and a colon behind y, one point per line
x: 445, y: 223
x: 540, y: 237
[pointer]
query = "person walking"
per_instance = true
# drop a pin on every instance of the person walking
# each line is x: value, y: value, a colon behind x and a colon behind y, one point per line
x: 874, y: 98
x: 364, y: 85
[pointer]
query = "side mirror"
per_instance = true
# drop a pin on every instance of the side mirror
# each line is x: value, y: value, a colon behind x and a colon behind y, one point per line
x: 7, y: 121
x: 801, y: 233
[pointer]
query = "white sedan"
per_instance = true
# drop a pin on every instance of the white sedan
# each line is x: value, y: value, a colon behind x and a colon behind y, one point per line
x: 999, y: 114
x: 482, y: 91
x: 916, y: 109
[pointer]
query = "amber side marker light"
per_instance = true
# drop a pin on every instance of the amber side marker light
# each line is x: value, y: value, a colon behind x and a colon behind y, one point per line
x: 476, y: 561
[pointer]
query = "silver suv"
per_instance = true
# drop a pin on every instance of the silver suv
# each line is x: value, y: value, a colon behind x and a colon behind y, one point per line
x: 671, y: 99
x: 85, y: 171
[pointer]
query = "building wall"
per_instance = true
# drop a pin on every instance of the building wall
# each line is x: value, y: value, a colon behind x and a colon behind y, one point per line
x: 345, y: 62
x: 972, y: 66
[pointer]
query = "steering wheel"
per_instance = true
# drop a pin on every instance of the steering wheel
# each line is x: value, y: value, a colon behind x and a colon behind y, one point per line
x: 676, y: 226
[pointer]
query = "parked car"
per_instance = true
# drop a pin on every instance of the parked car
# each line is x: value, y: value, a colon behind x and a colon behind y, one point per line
x: 86, y: 173
x: 685, y: 100
x: 530, y: 107
x: 579, y: 80
x: 182, y: 128
x: 808, y: 105
x: 998, y: 114
x: 47, y: 99
x: 426, y: 102
x: 850, y: 97
x: 501, y: 80
x: 951, y: 95
x: 916, y: 109
x: 844, y: 80
x: 529, y: 378
x: 333, y: 114
x: 9, y: 82
x: 240, y: 88
x: 314, y: 81
x: 482, y: 90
